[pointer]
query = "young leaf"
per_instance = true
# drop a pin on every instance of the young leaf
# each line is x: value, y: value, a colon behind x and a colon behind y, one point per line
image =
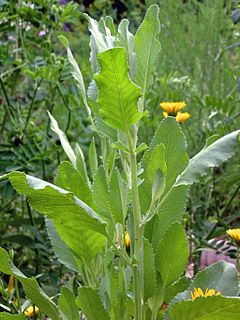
x: 67, y: 304
x: 93, y: 159
x: 147, y: 47
x: 212, y: 156
x: 211, y: 308
x: 118, y: 95
x: 126, y: 39
x: 63, y: 139
x: 118, y: 200
x: 171, y: 135
x: 33, y: 291
x: 76, y: 72
x: 172, y: 254
x: 170, y: 210
x: 89, y: 302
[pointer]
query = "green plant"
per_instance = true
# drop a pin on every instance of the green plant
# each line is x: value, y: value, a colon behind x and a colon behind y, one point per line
x: 133, y: 187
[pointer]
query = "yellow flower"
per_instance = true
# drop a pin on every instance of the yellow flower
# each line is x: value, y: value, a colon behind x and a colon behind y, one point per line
x: 198, y: 292
x: 234, y: 234
x: 31, y: 311
x: 182, y: 116
x: 127, y: 240
x: 172, y: 108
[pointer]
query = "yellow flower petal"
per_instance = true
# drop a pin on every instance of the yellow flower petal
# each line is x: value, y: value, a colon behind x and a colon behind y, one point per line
x: 182, y: 116
x: 172, y: 108
x: 198, y: 292
x: 234, y: 234
x: 31, y: 311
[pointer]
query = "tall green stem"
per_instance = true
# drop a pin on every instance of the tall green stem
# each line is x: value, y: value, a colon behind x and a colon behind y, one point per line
x: 138, y: 233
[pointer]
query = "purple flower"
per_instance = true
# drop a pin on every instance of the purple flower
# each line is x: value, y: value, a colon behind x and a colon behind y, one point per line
x: 62, y: 2
x: 67, y: 27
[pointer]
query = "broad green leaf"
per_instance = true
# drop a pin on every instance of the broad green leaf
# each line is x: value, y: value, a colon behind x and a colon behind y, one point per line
x: 172, y: 254
x: 170, y: 210
x: 93, y: 159
x: 149, y: 271
x: 70, y: 179
x: 171, y: 135
x: 211, y: 308
x: 78, y: 225
x: 211, y: 156
x: 147, y: 48
x: 63, y: 253
x: 63, y: 139
x: 126, y: 39
x: 8, y: 316
x: 67, y: 304
x: 100, y: 194
x: 179, y: 286
x: 89, y: 302
x: 33, y: 292
x: 221, y: 276
x: 118, y: 95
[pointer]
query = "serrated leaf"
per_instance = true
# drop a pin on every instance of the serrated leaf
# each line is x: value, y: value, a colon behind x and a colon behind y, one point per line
x: 67, y: 305
x: 63, y: 253
x: 100, y: 194
x: 126, y: 39
x: 78, y: 225
x: 63, y: 139
x: 149, y: 271
x: 33, y: 292
x: 70, y: 179
x: 211, y: 308
x: 172, y: 254
x: 77, y: 74
x: 118, y: 95
x: 179, y: 286
x: 147, y: 47
x: 212, y: 156
x: 221, y: 276
x: 170, y: 210
x: 103, y: 43
x: 171, y: 135
x: 93, y: 159
x: 89, y: 302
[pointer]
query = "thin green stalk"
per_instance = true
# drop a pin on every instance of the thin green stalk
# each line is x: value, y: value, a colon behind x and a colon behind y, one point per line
x: 138, y: 233
x: 31, y: 106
